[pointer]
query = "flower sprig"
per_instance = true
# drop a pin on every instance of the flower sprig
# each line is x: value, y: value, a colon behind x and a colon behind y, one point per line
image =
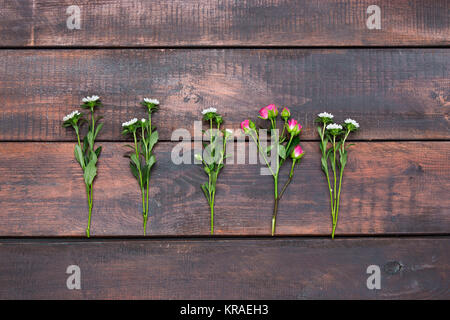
x: 85, y: 153
x: 287, y: 146
x: 141, y: 157
x: 214, y: 156
x: 335, y: 135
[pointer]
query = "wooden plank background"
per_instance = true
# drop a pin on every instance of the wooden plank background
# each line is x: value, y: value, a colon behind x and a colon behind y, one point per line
x: 396, y: 94
x: 237, y: 56
x: 227, y: 269
x: 226, y: 22
x: 389, y: 188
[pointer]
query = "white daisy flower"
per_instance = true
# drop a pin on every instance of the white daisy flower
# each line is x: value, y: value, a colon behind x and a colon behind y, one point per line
x: 353, y: 122
x: 143, y: 120
x: 332, y: 126
x: 129, y: 123
x: 325, y: 115
x: 90, y: 99
x: 229, y: 131
x: 214, y: 110
x: 153, y: 101
x: 71, y: 115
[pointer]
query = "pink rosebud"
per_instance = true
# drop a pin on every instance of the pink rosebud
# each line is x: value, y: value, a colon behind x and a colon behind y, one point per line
x: 272, y: 110
x: 297, y: 153
x: 286, y: 113
x: 291, y: 124
x: 293, y: 127
x: 245, y: 125
x: 264, y: 113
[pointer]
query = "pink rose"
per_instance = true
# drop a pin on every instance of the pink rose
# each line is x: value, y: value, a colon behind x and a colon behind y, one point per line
x: 272, y: 111
x: 286, y: 113
x: 297, y: 153
x: 245, y: 126
x: 264, y: 113
x: 293, y: 127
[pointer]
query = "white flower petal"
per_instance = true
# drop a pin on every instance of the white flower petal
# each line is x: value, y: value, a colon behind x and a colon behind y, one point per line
x: 332, y: 126
x: 208, y: 110
x: 129, y: 123
x: 153, y: 101
x: 353, y: 122
x: 325, y: 115
x: 71, y: 115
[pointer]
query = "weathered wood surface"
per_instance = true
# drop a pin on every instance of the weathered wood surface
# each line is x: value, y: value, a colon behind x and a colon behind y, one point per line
x: 388, y: 188
x: 228, y: 22
x: 411, y: 268
x: 394, y: 93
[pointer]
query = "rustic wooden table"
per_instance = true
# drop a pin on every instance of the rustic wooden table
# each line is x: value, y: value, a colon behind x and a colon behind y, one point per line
x: 236, y: 56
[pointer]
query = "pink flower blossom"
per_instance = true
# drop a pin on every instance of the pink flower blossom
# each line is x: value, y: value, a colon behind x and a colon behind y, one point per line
x: 264, y: 113
x: 294, y: 127
x: 286, y: 113
x: 297, y: 153
x: 272, y: 110
x: 245, y: 125
x: 291, y: 124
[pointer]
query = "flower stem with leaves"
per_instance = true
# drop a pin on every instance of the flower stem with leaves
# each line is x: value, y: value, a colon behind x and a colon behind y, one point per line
x: 141, y: 157
x: 214, y: 156
x: 85, y: 153
x: 336, y: 135
x: 286, y: 145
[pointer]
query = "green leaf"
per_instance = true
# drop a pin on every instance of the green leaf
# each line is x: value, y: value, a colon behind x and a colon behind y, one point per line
x: 90, y: 172
x: 343, y: 158
x: 98, y: 151
x: 269, y: 148
x: 134, y: 170
x: 136, y: 161
x: 205, y: 191
x: 79, y: 155
x: 90, y: 139
x: 153, y: 140
x: 85, y: 144
x: 319, y: 130
x: 93, y: 157
x: 282, y: 151
x: 207, y: 170
x: 324, y: 164
x: 151, y: 161
x: 97, y: 130
x: 129, y: 146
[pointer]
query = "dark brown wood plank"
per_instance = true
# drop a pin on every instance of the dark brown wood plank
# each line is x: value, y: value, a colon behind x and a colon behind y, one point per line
x: 411, y: 268
x: 388, y: 188
x: 227, y: 22
x: 393, y: 93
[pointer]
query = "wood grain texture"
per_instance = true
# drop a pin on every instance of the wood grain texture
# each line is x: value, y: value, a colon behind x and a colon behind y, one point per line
x: 394, y: 93
x: 416, y: 268
x: 227, y: 22
x: 388, y: 188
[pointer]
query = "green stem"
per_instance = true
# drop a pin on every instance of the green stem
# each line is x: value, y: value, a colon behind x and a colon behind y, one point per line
x: 211, y: 205
x: 284, y: 127
x: 339, y: 189
x: 291, y: 175
x: 334, y: 189
x: 78, y: 135
x: 93, y: 126
x: 140, y: 174
x: 148, y: 172
x: 262, y: 152
x: 275, y: 206
x: 88, y: 194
